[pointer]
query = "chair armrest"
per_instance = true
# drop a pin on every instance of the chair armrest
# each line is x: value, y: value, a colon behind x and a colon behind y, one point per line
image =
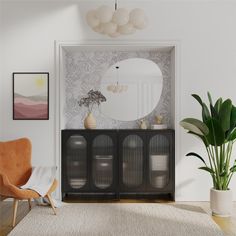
x: 4, y: 181
x: 6, y: 188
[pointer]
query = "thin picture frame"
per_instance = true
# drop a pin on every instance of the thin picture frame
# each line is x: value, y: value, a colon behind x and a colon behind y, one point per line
x: 28, y: 103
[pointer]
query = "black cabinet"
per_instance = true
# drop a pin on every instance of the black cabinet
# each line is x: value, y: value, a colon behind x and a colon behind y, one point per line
x: 118, y: 163
x: 132, y: 161
x: 160, y: 162
x: 103, y: 163
x: 89, y: 163
x: 75, y: 172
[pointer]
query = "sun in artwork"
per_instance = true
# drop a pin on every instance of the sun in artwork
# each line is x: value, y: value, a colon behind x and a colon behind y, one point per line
x: 40, y: 82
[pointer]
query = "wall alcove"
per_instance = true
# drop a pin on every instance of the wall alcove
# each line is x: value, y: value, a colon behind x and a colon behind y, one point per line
x: 80, y: 67
x: 84, y: 69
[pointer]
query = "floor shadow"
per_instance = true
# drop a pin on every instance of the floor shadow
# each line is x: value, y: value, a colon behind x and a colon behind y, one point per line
x: 189, y: 208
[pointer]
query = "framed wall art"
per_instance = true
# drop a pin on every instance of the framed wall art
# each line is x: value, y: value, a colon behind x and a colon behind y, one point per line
x: 31, y: 96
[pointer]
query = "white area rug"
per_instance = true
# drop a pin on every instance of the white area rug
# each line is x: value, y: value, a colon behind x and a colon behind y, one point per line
x: 121, y: 219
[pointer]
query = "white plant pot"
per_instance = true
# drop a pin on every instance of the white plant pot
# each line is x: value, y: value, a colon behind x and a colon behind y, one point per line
x: 221, y: 202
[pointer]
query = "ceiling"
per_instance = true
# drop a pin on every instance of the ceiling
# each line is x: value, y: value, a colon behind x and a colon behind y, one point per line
x: 100, y: 1
x: 106, y: 1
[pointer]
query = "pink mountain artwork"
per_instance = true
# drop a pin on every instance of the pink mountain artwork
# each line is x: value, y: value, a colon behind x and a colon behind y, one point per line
x: 32, y: 107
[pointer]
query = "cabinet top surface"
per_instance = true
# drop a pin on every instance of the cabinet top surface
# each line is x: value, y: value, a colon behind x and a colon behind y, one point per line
x: 121, y: 130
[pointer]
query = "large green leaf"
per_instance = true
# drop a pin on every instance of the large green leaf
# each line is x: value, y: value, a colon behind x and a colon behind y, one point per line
x: 214, y: 112
x: 216, y: 135
x: 233, y: 169
x: 233, y: 117
x: 196, y: 155
x: 225, y: 114
x: 223, y: 174
x: 205, y: 112
x: 209, y: 98
x: 194, y: 125
x: 232, y: 135
x: 207, y: 169
x: 218, y: 104
x: 197, y: 98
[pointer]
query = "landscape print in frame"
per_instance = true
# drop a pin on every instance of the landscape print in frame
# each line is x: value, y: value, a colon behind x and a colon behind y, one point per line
x: 31, y: 96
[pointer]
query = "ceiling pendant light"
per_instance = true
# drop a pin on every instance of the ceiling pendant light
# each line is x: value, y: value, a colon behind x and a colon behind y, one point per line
x: 117, y: 88
x: 105, y: 20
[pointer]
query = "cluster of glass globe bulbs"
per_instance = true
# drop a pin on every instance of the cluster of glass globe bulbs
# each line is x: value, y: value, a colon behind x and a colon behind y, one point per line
x: 106, y: 20
x: 117, y: 88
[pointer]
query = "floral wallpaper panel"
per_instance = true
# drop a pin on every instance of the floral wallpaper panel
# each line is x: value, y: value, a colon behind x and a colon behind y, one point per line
x: 84, y: 70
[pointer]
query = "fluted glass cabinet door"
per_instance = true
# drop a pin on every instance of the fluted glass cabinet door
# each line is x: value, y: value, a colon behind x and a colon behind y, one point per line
x: 159, y: 153
x: 76, y: 161
x: 103, y: 158
x: 132, y: 161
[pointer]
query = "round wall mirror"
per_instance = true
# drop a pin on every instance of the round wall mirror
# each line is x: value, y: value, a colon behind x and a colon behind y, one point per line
x: 132, y: 87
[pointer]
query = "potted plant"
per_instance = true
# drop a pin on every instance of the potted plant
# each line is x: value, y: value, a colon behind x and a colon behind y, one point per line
x: 217, y: 130
x: 92, y: 98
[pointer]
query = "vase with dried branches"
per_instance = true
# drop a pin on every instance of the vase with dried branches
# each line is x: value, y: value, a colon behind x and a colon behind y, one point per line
x: 92, y: 99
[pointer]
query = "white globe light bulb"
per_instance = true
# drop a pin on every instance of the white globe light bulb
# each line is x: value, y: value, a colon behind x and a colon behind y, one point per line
x: 104, y: 14
x: 114, y: 35
x: 121, y: 16
x: 116, y: 89
x: 126, y: 29
x: 99, y: 29
x: 109, y: 28
x: 138, y: 18
x: 113, y: 87
x: 109, y: 88
x: 92, y: 20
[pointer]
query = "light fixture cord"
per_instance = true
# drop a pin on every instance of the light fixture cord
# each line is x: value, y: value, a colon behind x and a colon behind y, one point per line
x: 117, y: 76
x: 115, y: 5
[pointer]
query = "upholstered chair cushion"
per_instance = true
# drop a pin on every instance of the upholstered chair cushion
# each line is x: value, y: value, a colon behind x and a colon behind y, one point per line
x: 15, y: 160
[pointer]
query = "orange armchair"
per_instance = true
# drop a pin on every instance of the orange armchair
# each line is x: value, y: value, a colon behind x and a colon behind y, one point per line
x: 15, y: 170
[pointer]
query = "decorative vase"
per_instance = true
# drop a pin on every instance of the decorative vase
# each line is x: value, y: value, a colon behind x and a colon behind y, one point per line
x: 89, y: 121
x: 143, y: 124
x: 221, y: 202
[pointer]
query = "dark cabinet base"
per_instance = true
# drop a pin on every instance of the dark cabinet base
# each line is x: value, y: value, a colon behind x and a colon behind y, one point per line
x: 118, y: 164
x: 117, y: 197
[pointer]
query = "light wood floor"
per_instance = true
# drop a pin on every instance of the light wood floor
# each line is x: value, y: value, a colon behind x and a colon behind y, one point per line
x: 228, y: 225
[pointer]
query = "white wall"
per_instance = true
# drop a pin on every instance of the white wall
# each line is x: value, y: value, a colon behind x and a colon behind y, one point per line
x: 207, y: 62
x: 29, y: 32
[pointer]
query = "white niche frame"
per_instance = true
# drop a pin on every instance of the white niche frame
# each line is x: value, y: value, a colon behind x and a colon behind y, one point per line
x: 59, y: 49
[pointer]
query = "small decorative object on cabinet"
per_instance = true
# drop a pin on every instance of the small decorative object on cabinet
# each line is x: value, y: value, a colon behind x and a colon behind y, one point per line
x: 159, y: 123
x: 89, y: 121
x: 160, y: 126
x: 159, y: 119
x: 217, y: 130
x: 143, y: 124
x: 93, y: 98
x: 118, y: 164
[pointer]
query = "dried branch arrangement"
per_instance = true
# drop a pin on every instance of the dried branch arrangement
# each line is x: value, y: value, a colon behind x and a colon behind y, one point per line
x: 93, y: 98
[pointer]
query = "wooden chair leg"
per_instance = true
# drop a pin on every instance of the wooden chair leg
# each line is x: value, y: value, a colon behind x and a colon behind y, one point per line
x: 15, y: 206
x: 51, y: 203
x: 29, y: 201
